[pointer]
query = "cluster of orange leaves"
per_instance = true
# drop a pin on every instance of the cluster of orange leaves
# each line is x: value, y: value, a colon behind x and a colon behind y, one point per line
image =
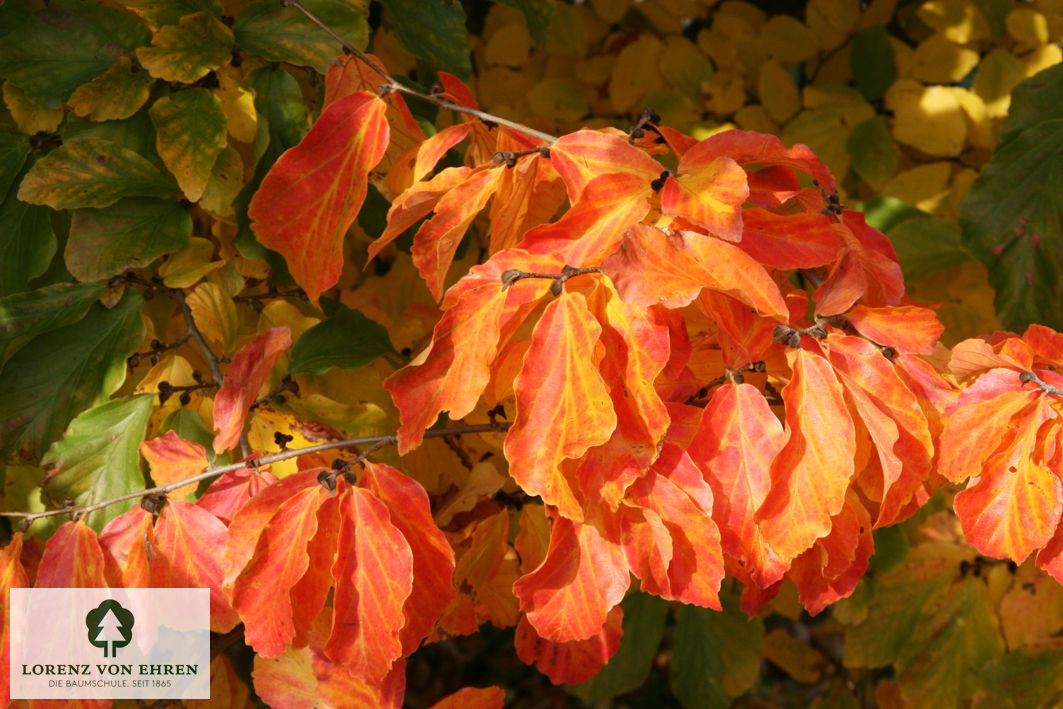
x: 711, y: 366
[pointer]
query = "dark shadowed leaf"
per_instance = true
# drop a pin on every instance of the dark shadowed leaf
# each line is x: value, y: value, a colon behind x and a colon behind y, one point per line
x: 348, y: 339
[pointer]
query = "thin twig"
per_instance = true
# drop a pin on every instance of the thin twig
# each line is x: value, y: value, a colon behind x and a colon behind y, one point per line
x: 1029, y: 376
x: 377, y: 442
x: 393, y: 85
x: 208, y: 354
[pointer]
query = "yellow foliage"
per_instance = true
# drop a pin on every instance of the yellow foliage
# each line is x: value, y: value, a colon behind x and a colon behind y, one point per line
x: 958, y: 21
x: 1027, y: 26
x: 788, y: 39
x: 928, y: 118
x: 777, y: 91
x: 939, y: 61
x: 832, y: 20
x: 635, y: 74
x: 30, y: 117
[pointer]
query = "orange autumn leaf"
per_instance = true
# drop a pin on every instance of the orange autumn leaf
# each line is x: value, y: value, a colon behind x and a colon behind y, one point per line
x: 247, y: 372
x: 312, y: 194
x: 563, y: 404
x: 584, y: 576
x: 437, y: 240
x: 373, y: 577
x: 416, y: 203
x: 473, y: 698
x: 572, y: 661
x: 811, y: 473
x: 670, y: 268
x: 867, y: 269
x: 751, y: 148
x: 906, y: 328
x: 709, y: 194
x: 126, y: 542
x: 738, y: 437
x: 452, y: 373
x: 788, y: 241
x: 171, y: 458
x: 182, y: 532
x: 12, y: 575
x: 231, y: 490
x: 581, y: 156
x: 72, y: 559
x: 261, y: 593
x: 528, y: 194
x: 433, y: 558
x: 305, y: 679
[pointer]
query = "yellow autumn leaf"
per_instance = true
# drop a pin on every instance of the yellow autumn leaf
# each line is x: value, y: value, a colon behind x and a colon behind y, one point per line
x: 724, y: 93
x: 635, y: 73
x: 939, y: 61
x: 684, y: 66
x: 925, y: 186
x: 788, y: 39
x: 611, y: 10
x: 832, y: 20
x: 966, y: 300
x: 778, y: 92
x: 802, y: 662
x: 238, y: 104
x: 928, y: 118
x: 283, y: 312
x: 903, y: 57
x: 826, y: 130
x: 557, y: 99
x: 30, y: 117
x: 980, y: 126
x: 877, y: 12
x: 997, y: 75
x: 215, y: 314
x: 962, y: 179
x: 1027, y: 26
x: 508, y: 46
x: 960, y: 21
x: 1041, y: 58
x: 755, y: 117
x: 186, y: 267
x: 264, y: 423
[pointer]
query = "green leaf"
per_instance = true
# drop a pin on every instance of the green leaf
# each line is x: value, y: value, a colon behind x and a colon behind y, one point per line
x: 348, y: 339
x: 158, y: 13
x: 61, y: 373
x: 135, y: 133
x: 1027, y: 677
x: 187, y: 51
x: 189, y: 425
x: 27, y: 243
x: 873, y: 153
x: 926, y: 244
x: 872, y: 62
x: 190, y: 128
x: 891, y: 549
x: 64, y: 45
x: 14, y: 147
x: 538, y: 14
x: 644, y: 617
x: 433, y: 30
x: 129, y: 234
x: 956, y: 636
x: 117, y: 93
x: 22, y: 493
x: 89, y: 172
x: 996, y: 11
x: 98, y: 458
x: 45, y: 309
x: 1011, y: 222
x: 1035, y: 101
x: 284, y: 34
x: 716, y: 654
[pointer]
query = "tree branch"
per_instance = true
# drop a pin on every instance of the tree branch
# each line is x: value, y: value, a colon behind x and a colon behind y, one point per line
x: 393, y: 85
x: 377, y: 442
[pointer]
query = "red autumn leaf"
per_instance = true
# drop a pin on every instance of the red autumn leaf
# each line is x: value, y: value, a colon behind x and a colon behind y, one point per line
x: 182, y: 533
x: 583, y: 577
x: 676, y: 504
x: 312, y: 194
x: 433, y: 559
x: 247, y: 372
x: 657, y: 267
x: 893, y: 418
x: 573, y: 661
x: 261, y: 594
x: 126, y: 542
x: 232, y: 489
x: 172, y: 458
x: 473, y: 698
x: 373, y: 575
x: 737, y: 439
x: 72, y: 559
x: 559, y: 385
x: 811, y: 473
x: 1045, y: 342
x: 581, y: 156
x: 905, y: 328
x: 593, y: 228
x: 867, y: 269
x: 452, y: 373
x: 12, y: 575
x: 423, y: 158
x: 788, y: 241
x: 437, y: 240
x: 830, y: 570
x: 311, y: 592
x: 709, y: 193
x: 742, y: 335
x: 1015, y: 503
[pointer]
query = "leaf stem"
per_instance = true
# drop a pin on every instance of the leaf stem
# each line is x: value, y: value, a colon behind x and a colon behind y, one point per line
x: 28, y: 518
x: 393, y: 85
x: 1047, y: 388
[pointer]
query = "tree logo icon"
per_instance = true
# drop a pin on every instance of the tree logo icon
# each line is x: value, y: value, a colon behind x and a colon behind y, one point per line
x: 109, y: 624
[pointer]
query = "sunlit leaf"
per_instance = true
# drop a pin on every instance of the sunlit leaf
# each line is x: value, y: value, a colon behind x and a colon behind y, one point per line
x: 72, y: 559
x: 248, y: 371
x: 185, y: 52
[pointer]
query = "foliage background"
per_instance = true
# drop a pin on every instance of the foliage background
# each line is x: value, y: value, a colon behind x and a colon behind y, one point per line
x: 907, y: 102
